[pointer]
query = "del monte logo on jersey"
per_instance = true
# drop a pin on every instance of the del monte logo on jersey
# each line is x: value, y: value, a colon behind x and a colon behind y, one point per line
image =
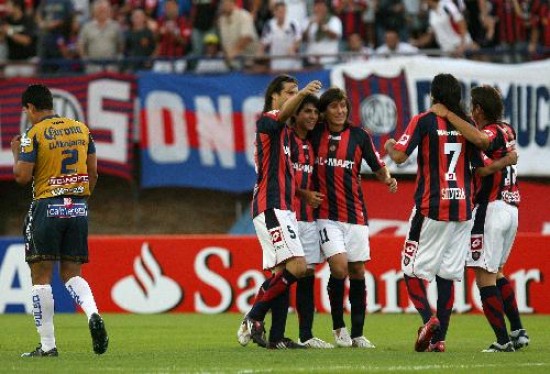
x: 147, y: 290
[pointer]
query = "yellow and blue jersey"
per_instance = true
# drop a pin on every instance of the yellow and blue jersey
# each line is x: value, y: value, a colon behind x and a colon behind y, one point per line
x: 59, y: 148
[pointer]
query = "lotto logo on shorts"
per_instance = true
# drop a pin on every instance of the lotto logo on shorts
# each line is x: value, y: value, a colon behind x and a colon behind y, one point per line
x: 476, y: 243
x: 476, y: 246
x: 276, y: 235
x: 409, y: 251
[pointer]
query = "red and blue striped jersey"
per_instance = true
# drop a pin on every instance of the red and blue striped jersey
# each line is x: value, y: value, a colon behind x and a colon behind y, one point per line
x: 275, y: 188
x: 444, y: 178
x: 503, y: 184
x: 303, y: 159
x: 337, y: 171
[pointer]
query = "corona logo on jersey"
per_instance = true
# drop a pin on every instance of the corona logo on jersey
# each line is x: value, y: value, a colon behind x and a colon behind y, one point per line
x: 147, y: 290
x: 380, y: 105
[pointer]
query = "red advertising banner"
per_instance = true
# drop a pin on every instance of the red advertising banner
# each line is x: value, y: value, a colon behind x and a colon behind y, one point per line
x: 389, y: 213
x: 214, y: 274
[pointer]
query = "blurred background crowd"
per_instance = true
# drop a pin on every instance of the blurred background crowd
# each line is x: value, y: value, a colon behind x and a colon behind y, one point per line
x: 63, y: 36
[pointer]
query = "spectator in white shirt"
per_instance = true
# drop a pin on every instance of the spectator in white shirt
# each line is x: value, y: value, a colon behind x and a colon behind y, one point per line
x: 357, y: 50
x: 394, y: 46
x: 238, y: 34
x: 323, y: 35
x: 281, y: 36
x: 448, y: 27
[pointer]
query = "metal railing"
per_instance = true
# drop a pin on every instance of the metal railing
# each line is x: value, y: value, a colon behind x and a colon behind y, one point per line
x: 252, y: 63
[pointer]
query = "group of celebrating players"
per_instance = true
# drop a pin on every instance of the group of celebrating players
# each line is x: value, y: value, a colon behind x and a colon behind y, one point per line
x: 308, y: 206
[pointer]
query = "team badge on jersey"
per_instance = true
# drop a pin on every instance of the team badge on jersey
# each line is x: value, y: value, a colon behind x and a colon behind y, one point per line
x: 409, y: 251
x: 476, y: 246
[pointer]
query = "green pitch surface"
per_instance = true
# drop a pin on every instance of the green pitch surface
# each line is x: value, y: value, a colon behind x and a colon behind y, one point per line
x: 195, y: 343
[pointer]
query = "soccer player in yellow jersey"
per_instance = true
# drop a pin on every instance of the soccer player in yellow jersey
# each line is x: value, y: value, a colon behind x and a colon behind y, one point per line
x: 58, y: 155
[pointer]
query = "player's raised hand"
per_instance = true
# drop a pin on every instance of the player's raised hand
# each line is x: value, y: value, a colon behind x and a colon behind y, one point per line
x: 312, y: 87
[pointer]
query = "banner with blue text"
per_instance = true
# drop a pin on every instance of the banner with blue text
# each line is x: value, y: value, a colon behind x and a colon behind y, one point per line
x: 198, y: 131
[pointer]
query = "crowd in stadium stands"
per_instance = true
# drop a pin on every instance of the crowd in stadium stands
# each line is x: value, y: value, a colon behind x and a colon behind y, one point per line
x: 220, y: 35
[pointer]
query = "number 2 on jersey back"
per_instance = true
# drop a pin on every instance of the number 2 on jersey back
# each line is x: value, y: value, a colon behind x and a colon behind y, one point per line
x: 454, y: 150
x: 70, y: 157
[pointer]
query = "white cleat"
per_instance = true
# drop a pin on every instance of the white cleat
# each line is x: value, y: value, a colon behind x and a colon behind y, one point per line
x: 361, y: 342
x: 519, y: 338
x: 316, y: 343
x: 244, y: 334
x: 342, y: 338
x: 495, y: 347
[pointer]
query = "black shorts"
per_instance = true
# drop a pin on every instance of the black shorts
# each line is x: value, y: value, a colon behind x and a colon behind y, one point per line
x: 56, y: 229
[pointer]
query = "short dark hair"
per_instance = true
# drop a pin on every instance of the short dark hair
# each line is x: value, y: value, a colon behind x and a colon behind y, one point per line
x: 446, y: 90
x: 331, y: 95
x: 309, y: 99
x: 38, y: 95
x: 276, y: 86
x: 490, y: 101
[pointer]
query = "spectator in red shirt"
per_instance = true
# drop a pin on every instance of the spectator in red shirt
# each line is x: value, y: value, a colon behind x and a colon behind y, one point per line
x: 174, y: 39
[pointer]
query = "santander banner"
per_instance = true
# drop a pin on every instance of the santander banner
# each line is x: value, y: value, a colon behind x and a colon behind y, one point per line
x: 215, y: 274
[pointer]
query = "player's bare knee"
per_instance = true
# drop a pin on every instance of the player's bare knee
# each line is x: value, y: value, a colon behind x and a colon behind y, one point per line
x: 68, y: 270
x: 41, y: 272
x: 356, y: 270
x: 297, y: 266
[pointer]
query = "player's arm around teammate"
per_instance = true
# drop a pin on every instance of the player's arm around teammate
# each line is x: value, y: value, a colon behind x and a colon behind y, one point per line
x: 273, y: 215
x: 496, y: 216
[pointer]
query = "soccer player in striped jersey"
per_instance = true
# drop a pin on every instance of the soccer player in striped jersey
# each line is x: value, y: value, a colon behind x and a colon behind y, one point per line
x: 58, y: 155
x: 342, y: 217
x: 273, y: 215
x: 496, y: 216
x: 303, y: 159
x: 440, y: 223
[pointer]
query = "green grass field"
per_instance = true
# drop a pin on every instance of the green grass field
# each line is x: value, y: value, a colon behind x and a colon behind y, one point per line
x: 207, y: 344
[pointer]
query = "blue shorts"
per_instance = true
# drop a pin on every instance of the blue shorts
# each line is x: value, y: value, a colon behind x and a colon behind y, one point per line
x: 56, y: 229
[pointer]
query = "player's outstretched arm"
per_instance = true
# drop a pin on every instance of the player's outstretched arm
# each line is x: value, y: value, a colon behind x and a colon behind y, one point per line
x: 471, y: 133
x: 289, y: 107
x: 511, y: 158
x: 398, y: 157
